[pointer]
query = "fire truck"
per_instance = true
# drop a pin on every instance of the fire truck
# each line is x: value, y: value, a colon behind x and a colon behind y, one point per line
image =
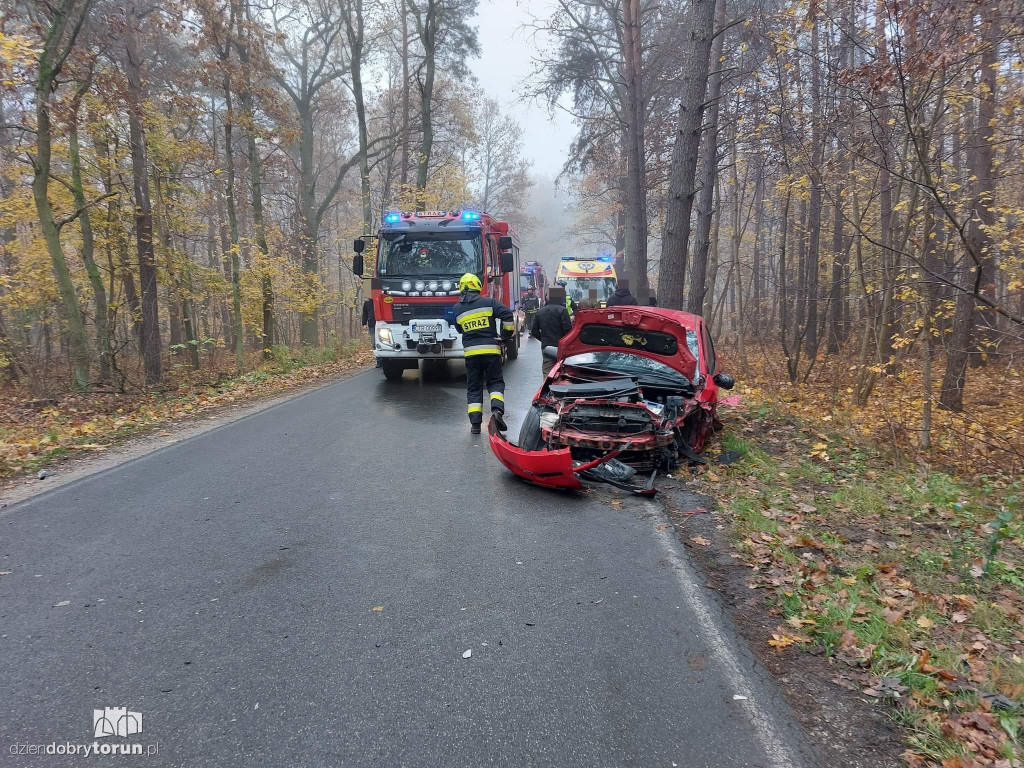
x: 587, y: 279
x: 531, y: 275
x: 414, y: 283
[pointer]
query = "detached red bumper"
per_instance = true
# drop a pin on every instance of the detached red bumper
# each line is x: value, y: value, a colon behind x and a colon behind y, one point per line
x: 552, y: 469
x: 555, y: 469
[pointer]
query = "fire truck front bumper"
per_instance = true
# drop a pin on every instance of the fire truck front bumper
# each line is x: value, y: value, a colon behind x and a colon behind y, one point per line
x: 419, y: 340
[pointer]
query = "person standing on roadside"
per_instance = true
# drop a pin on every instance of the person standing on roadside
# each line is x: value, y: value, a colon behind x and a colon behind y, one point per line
x: 550, y: 324
x: 622, y: 296
x: 369, y: 319
x: 482, y: 320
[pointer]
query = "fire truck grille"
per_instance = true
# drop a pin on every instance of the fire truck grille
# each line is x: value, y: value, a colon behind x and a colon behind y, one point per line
x: 403, y: 313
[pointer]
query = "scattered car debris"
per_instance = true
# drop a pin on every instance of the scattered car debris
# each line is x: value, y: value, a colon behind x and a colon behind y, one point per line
x: 467, y: 653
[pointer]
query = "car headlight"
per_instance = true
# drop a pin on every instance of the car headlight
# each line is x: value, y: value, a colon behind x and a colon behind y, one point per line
x: 407, y: 284
x: 446, y: 285
x: 432, y: 285
x: 384, y: 334
x: 420, y: 285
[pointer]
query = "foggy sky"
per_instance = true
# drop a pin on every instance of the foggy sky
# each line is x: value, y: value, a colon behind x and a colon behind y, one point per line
x: 505, y: 63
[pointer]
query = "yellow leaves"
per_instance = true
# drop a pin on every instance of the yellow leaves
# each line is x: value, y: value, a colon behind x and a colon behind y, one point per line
x: 819, y: 451
x: 701, y: 541
x: 924, y: 622
x: 781, y: 642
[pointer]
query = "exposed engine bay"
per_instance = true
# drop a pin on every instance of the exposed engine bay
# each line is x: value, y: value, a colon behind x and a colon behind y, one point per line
x: 593, y: 411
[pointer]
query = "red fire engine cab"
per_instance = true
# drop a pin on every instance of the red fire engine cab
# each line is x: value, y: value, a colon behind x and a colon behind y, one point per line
x: 414, y: 283
x: 531, y: 275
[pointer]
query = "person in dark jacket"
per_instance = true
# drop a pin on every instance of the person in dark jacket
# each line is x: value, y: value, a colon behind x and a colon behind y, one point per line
x: 550, y: 324
x: 480, y: 319
x: 370, y: 324
x: 652, y: 300
x: 369, y: 320
x: 622, y: 295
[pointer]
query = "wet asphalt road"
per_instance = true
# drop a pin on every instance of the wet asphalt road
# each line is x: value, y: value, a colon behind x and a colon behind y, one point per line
x: 298, y: 588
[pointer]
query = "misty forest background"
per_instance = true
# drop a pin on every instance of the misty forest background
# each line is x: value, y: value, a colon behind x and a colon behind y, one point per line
x: 835, y: 184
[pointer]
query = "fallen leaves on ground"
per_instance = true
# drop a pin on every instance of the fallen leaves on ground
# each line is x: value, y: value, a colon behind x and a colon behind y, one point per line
x: 911, y: 581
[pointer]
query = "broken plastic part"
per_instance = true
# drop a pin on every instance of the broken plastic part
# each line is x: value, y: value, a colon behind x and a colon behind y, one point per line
x: 555, y: 469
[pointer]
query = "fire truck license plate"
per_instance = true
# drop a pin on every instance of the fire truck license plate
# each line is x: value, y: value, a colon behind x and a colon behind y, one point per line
x: 426, y: 327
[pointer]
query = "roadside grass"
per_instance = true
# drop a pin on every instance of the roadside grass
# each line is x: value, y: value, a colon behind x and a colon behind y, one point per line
x: 32, y: 438
x: 911, y: 582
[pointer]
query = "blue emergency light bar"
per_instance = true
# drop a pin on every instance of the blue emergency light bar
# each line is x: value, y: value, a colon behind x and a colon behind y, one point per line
x: 470, y: 216
x: 392, y: 218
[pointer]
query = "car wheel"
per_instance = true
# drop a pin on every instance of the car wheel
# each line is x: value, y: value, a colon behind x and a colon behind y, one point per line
x: 530, y: 437
x: 513, y: 347
x: 393, y: 369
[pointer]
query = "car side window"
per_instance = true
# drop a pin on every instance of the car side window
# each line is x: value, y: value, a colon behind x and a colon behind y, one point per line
x: 709, y: 351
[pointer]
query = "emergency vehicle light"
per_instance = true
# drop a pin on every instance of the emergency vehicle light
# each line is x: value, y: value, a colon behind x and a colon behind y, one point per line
x: 470, y: 216
x: 392, y: 218
x: 605, y: 258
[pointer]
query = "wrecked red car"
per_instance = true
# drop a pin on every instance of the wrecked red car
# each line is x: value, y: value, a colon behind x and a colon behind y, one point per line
x: 634, y: 389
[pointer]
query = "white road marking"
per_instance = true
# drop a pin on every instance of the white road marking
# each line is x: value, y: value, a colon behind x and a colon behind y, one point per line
x: 774, y: 745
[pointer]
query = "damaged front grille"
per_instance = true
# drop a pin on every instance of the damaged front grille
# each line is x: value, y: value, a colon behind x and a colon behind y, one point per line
x: 610, y: 420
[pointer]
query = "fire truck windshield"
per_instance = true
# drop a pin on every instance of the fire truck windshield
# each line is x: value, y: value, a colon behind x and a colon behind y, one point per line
x: 430, y: 253
x: 526, y: 281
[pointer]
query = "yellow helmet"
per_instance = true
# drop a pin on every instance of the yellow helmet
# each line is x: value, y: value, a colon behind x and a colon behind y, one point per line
x: 470, y: 282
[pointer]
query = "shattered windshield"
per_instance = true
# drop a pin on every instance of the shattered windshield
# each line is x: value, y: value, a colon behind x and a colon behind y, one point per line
x: 626, y: 362
x: 430, y: 253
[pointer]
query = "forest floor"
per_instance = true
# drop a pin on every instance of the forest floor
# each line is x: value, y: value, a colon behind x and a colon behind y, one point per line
x: 38, y: 433
x: 879, y: 590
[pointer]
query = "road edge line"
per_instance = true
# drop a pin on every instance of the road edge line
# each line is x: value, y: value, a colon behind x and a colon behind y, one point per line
x: 774, y: 744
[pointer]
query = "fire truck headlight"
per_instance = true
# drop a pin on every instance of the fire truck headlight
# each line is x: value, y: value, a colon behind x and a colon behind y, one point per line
x: 432, y: 285
x: 447, y: 284
x: 407, y: 284
x: 420, y: 285
x: 384, y: 334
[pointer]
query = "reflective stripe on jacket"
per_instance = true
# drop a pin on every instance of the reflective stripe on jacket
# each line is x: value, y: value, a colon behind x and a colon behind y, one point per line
x: 480, y: 320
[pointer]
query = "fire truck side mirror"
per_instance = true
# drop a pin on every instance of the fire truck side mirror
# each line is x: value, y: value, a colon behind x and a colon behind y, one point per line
x: 357, y: 265
x: 508, y: 263
x: 358, y: 245
x: 504, y: 243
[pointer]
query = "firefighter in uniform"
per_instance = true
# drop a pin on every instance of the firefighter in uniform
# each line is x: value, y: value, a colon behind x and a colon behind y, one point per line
x: 480, y: 319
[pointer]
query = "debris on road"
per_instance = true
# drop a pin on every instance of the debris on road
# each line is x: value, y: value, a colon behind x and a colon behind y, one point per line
x: 44, y: 473
x: 467, y: 653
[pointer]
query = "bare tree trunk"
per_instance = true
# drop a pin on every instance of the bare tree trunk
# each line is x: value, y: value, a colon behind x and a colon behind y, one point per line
x: 636, y: 167
x: 99, y: 292
x: 708, y: 172
x: 229, y: 199
x: 60, y: 38
x: 151, y: 344
x: 427, y: 29
x: 404, y: 171
x: 256, y: 193
x: 978, y: 264
x: 681, y: 191
x: 814, y: 222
